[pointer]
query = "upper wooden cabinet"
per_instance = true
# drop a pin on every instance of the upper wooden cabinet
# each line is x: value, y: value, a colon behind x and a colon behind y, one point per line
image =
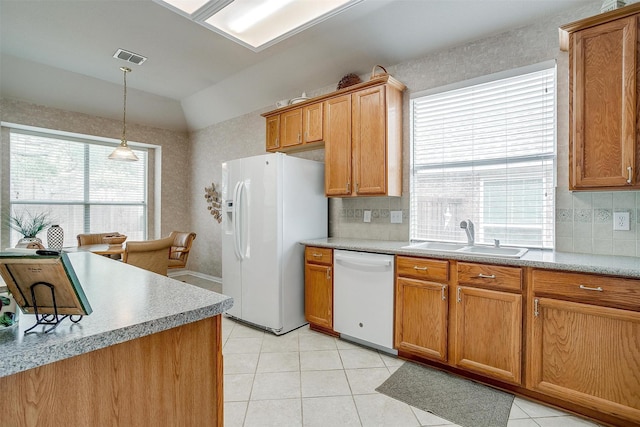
x: 363, y: 143
x: 337, y: 152
x: 273, y: 133
x: 312, y: 123
x: 603, y: 102
x: 361, y: 129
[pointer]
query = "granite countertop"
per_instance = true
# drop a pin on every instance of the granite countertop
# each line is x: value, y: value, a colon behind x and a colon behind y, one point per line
x: 127, y: 302
x: 565, y: 261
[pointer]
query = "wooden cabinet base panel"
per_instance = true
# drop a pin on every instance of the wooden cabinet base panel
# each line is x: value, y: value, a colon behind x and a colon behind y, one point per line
x: 172, y: 377
x: 578, y: 410
x: 323, y: 330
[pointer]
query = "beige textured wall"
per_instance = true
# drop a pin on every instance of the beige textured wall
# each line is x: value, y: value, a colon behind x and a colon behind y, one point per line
x: 583, y: 220
x: 243, y: 136
x: 175, y: 169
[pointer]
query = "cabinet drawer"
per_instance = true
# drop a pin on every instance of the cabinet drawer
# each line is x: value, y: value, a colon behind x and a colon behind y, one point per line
x: 421, y: 268
x: 490, y: 276
x: 318, y: 255
x: 586, y: 288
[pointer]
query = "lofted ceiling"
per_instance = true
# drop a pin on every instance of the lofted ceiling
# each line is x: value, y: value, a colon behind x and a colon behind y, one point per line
x: 59, y: 53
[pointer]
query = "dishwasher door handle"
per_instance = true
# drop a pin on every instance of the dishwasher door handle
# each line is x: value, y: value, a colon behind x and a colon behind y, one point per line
x: 361, y: 264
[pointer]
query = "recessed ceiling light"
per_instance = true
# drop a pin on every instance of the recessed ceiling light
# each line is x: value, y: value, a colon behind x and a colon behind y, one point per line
x: 258, y: 24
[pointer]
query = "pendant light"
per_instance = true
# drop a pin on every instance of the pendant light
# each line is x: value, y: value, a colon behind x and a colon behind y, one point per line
x: 124, y: 152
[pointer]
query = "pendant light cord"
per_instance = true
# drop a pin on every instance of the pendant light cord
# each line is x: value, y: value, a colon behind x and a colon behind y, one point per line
x: 125, y: 70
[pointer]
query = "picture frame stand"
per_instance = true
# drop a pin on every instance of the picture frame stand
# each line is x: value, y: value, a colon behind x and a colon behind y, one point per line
x: 48, y: 319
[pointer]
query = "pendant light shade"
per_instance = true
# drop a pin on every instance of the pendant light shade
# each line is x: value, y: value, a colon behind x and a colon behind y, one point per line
x: 123, y: 151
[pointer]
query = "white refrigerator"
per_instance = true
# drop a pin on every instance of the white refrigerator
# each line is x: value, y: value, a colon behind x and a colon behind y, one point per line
x: 269, y: 203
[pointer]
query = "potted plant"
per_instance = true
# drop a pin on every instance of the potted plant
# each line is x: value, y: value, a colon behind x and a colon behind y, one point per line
x: 29, y: 225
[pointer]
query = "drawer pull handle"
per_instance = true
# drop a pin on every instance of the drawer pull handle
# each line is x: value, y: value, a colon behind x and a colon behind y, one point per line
x: 317, y: 255
x: 444, y: 296
x: 630, y: 173
x: 459, y: 296
x: 588, y: 288
x: 415, y: 267
x: 328, y: 274
x: 487, y: 276
x: 536, y: 312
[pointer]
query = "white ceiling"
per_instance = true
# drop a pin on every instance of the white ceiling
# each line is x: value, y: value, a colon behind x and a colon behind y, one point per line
x: 59, y: 53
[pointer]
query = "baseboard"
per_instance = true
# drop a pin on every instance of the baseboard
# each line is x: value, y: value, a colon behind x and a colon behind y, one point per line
x: 173, y: 273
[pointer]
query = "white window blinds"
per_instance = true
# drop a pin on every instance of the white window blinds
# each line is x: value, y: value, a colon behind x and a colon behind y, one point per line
x: 73, y: 181
x: 486, y: 152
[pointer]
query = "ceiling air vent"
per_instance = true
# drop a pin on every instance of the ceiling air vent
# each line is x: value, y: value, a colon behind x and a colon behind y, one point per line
x: 125, y: 55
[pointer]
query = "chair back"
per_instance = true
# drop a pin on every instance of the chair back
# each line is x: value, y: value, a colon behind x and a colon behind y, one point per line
x: 92, y: 239
x: 152, y: 255
x: 182, y: 241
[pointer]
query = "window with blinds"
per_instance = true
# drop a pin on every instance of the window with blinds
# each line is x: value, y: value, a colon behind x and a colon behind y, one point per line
x: 73, y: 181
x: 486, y: 152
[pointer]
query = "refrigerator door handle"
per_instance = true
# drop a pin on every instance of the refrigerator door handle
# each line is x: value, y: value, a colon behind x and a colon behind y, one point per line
x: 244, y: 233
x: 236, y: 220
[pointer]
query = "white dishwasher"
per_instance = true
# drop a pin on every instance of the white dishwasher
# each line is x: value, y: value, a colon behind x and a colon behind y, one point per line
x: 363, y: 298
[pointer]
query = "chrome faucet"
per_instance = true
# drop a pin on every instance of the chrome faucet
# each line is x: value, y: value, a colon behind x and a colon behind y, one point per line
x: 467, y: 226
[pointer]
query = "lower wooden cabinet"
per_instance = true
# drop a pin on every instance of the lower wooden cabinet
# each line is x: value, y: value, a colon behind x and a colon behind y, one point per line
x: 584, y: 344
x: 488, y: 333
x: 587, y: 355
x: 421, y: 318
x: 318, y: 287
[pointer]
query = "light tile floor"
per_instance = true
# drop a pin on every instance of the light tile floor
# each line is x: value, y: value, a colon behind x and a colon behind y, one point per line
x: 305, y: 378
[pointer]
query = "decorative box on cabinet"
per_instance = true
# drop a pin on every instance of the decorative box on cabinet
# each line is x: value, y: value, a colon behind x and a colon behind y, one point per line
x: 603, y: 100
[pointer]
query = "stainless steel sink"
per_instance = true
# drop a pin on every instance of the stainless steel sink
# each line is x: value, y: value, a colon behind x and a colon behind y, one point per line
x: 494, y: 251
x: 436, y: 246
x: 505, y: 252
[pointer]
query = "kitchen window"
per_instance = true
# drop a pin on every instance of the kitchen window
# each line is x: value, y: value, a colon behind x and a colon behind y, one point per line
x: 485, y: 150
x: 72, y: 180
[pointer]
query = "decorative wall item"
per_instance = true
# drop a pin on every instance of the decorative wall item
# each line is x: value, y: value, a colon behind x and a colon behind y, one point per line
x: 55, y: 237
x: 213, y: 200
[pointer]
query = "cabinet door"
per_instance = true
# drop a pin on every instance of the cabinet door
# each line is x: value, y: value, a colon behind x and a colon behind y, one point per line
x: 488, y: 333
x: 586, y: 354
x: 318, y: 295
x: 273, y: 133
x: 370, y: 141
x: 337, y: 146
x: 603, y: 105
x: 421, y: 318
x: 291, y: 128
x: 312, y: 123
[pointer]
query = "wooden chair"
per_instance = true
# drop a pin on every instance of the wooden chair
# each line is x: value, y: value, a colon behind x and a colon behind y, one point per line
x: 152, y: 255
x: 180, y: 248
x: 95, y: 239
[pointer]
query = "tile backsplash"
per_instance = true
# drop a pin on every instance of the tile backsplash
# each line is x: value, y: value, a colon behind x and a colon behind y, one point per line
x: 584, y: 223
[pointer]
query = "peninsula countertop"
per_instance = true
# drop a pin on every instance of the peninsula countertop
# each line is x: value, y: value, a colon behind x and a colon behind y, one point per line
x: 586, y: 263
x: 127, y: 302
